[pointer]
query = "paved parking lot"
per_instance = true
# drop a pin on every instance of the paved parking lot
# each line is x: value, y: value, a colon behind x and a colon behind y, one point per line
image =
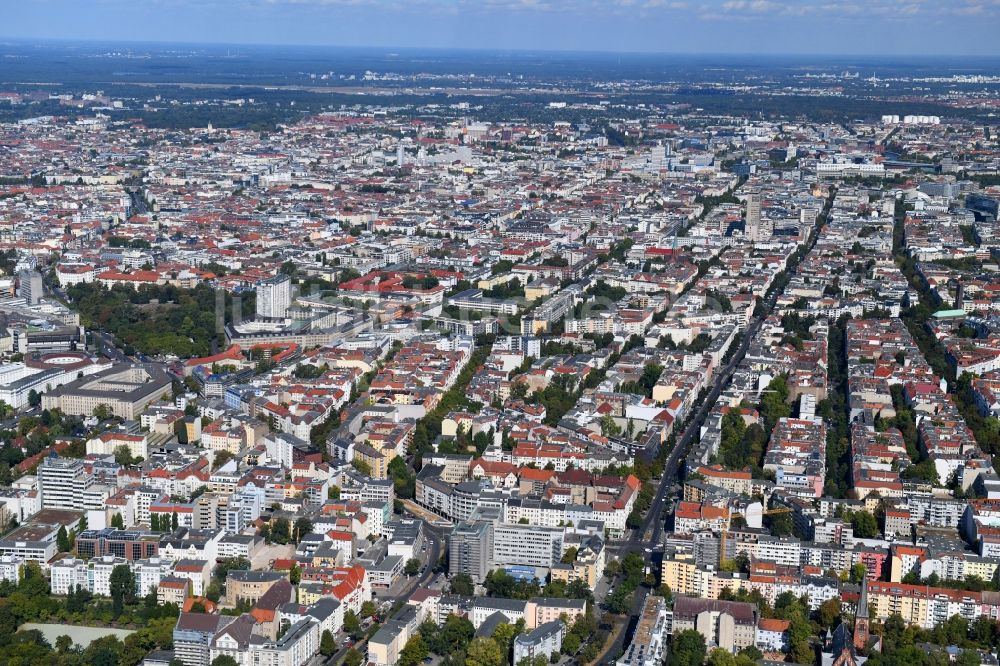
x: 270, y: 552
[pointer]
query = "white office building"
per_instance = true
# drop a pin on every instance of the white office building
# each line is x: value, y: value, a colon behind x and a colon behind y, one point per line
x: 65, y: 485
x: 526, y: 545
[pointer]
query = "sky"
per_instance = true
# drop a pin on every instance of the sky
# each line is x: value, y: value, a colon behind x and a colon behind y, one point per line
x: 840, y: 27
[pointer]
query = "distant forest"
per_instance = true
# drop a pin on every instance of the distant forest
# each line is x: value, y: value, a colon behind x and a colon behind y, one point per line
x: 519, y: 83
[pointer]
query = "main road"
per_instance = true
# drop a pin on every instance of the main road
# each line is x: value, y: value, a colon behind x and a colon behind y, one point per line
x: 636, y: 541
x: 434, y: 538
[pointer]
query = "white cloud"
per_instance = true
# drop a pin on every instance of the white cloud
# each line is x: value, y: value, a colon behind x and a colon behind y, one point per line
x: 738, y: 10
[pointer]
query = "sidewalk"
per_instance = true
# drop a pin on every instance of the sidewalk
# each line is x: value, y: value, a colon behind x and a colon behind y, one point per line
x: 609, y: 643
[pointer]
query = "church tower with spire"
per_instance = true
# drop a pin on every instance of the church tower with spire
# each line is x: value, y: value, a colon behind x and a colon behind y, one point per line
x: 861, y: 634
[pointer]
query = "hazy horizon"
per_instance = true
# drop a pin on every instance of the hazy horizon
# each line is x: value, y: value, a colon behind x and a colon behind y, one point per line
x: 27, y: 41
x: 891, y: 28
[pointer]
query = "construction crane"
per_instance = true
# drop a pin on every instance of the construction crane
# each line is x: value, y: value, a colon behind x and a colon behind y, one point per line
x: 767, y: 512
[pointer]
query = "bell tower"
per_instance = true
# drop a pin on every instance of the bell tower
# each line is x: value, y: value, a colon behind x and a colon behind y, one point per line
x: 861, y: 634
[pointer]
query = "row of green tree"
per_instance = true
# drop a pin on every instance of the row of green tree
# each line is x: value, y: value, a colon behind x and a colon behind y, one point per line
x: 834, y: 410
x: 907, y: 645
x: 985, y: 429
x: 282, y: 531
x: 632, y: 568
x: 742, y: 447
x: 500, y: 584
x: 428, y: 429
x: 455, y: 642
